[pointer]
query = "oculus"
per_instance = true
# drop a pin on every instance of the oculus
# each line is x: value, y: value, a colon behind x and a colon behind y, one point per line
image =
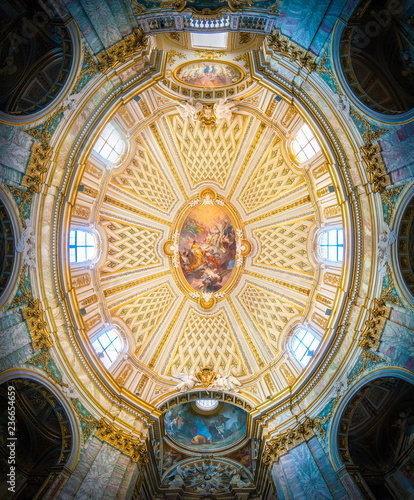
x: 207, y: 248
x: 208, y: 74
x: 203, y: 429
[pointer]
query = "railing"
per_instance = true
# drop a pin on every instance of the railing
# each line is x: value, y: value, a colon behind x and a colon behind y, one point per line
x: 225, y: 22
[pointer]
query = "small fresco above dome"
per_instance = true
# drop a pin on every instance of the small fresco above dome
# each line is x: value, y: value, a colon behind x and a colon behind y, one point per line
x: 208, y: 74
x: 204, y: 430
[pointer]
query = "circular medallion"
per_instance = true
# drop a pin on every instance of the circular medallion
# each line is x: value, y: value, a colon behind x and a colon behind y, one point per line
x: 207, y: 248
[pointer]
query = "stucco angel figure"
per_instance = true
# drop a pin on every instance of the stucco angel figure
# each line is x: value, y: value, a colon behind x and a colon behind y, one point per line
x: 25, y: 244
x: 224, y: 109
x: 238, y: 481
x: 386, y: 238
x: 189, y: 109
x: 188, y: 381
x: 226, y: 383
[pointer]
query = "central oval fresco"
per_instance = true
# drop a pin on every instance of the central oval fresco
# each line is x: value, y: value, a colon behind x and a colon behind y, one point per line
x: 206, y: 430
x: 207, y: 248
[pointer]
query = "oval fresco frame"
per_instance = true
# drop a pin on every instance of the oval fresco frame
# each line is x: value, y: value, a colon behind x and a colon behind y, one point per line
x: 171, y: 247
x: 209, y: 61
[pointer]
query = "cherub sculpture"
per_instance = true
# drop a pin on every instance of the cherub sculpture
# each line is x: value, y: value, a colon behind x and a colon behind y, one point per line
x: 226, y: 383
x: 188, y: 381
x: 224, y: 109
x: 189, y: 109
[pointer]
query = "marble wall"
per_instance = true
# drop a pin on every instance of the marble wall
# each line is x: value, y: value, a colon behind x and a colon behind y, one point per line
x: 397, y: 151
x: 102, y: 473
x: 305, y: 473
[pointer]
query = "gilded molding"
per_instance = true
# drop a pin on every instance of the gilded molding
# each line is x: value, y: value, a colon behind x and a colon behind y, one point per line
x: 172, y: 54
x: 374, y: 324
x: 282, y: 45
x: 38, y: 327
x: 126, y: 442
x: 38, y: 167
x: 299, y: 289
x: 374, y: 167
x: 122, y: 51
x: 290, y: 206
x: 27, y: 295
x: 283, y: 442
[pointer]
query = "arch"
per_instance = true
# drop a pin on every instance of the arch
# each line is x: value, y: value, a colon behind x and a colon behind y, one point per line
x: 370, y: 95
x: 354, y: 391
x: 71, y: 454
x: 402, y: 251
x: 60, y: 66
x: 9, y: 261
x: 220, y: 471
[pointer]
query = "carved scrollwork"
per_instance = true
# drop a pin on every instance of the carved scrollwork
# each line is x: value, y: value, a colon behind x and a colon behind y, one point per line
x: 38, y: 327
x: 374, y: 324
x: 374, y: 167
x: 128, y: 444
x: 282, y: 45
x: 122, y: 51
x: 282, y: 443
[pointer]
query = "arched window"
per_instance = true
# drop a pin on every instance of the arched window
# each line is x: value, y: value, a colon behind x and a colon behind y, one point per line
x: 305, y: 145
x: 304, y: 344
x: 82, y: 246
x: 107, y: 346
x: 110, y: 144
x: 331, y: 245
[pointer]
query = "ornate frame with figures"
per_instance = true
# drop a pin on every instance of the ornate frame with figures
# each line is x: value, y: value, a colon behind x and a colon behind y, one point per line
x: 207, y: 248
x: 209, y: 74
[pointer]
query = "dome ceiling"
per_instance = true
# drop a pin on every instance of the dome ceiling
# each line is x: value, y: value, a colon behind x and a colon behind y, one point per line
x: 175, y: 176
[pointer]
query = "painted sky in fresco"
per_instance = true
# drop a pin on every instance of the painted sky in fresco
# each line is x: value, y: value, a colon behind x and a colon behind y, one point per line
x: 208, y: 431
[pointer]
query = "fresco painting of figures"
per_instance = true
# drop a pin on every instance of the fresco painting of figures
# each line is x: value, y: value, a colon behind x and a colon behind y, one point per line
x: 205, y: 431
x: 207, y: 248
x: 209, y: 74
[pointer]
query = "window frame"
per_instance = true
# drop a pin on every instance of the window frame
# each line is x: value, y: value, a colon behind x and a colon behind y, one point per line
x: 326, y: 231
x: 101, y: 137
x: 307, y: 348
x: 70, y: 246
x: 119, y: 352
x: 307, y: 132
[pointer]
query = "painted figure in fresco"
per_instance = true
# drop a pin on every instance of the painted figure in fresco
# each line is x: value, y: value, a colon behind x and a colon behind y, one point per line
x: 197, y: 255
x: 209, y: 74
x: 220, y: 425
x: 200, y: 439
